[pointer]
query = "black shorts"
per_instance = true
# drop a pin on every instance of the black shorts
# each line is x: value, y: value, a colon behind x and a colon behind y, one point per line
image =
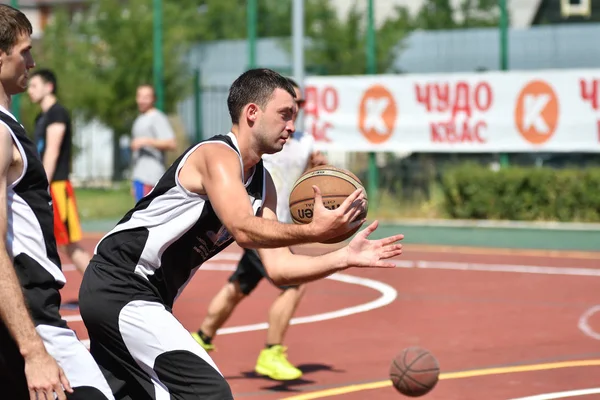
x: 62, y: 344
x: 143, y: 349
x: 250, y: 270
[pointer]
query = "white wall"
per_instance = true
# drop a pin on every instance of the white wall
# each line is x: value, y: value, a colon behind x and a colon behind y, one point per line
x: 93, y: 154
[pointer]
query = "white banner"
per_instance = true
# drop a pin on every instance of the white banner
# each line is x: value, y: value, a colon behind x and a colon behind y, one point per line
x: 541, y: 111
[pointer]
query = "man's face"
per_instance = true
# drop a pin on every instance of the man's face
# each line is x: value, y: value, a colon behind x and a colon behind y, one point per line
x: 15, y: 66
x: 274, y: 125
x: 144, y: 98
x: 38, y: 89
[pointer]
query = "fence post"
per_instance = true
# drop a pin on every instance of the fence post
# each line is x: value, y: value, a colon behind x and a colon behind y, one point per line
x: 15, y: 104
x: 157, y: 54
x: 373, y: 172
x: 251, y: 15
x: 197, y: 106
x: 503, y: 56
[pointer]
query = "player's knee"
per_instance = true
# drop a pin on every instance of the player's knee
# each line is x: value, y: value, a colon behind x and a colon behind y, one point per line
x: 189, y: 376
x: 221, y: 390
x: 236, y: 291
x: 301, y: 290
x: 296, y: 291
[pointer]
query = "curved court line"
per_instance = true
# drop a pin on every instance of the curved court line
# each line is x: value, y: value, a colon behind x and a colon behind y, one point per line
x: 561, y: 395
x: 388, y: 295
x: 448, y: 375
x: 584, y: 325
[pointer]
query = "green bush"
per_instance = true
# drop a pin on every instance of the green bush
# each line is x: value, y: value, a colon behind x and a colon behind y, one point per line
x: 473, y: 191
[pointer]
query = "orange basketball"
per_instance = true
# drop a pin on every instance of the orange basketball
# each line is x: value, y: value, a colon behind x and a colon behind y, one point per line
x: 414, y: 371
x: 336, y: 185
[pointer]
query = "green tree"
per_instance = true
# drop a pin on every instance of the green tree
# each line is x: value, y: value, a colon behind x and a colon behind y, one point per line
x: 226, y: 19
x: 338, y: 44
x: 104, y: 52
x: 439, y: 14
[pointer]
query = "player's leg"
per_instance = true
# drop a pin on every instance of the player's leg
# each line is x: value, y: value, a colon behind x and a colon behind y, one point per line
x: 241, y: 283
x: 62, y: 344
x: 81, y: 369
x: 165, y: 355
x: 67, y: 226
x: 142, y: 348
x: 281, y: 312
x: 12, y: 368
x: 272, y: 360
x: 166, y: 351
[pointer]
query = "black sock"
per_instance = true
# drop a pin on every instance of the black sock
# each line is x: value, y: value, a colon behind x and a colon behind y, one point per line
x: 205, y: 339
x: 268, y: 346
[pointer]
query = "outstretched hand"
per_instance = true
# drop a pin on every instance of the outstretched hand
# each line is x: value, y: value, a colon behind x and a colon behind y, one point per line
x: 363, y: 252
x: 328, y: 223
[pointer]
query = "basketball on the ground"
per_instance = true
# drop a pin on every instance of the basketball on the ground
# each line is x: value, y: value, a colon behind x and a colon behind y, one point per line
x: 336, y: 185
x: 414, y: 372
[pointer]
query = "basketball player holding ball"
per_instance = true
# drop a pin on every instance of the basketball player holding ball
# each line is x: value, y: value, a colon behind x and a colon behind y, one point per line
x: 215, y: 193
x: 285, y: 168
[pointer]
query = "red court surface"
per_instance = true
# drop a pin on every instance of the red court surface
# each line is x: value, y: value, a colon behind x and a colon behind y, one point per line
x: 503, y: 324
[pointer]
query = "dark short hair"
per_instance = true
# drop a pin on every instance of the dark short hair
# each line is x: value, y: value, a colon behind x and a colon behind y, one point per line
x: 255, y: 86
x: 12, y: 24
x: 47, y: 76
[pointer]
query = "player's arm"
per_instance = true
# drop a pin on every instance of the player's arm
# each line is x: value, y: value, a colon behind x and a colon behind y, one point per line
x: 214, y: 170
x: 43, y: 375
x: 55, y: 134
x: 286, y: 268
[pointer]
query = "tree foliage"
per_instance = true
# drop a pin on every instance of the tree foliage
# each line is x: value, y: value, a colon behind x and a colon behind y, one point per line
x: 102, y: 54
x: 439, y: 14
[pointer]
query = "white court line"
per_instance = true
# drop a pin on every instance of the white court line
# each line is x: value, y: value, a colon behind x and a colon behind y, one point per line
x: 457, y: 266
x: 526, y: 269
x: 561, y: 395
x: 584, y: 325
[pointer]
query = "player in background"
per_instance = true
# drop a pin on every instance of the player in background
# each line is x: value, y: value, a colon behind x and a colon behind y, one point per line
x: 152, y: 135
x: 53, y: 136
x: 40, y: 357
x: 285, y: 167
x: 215, y: 193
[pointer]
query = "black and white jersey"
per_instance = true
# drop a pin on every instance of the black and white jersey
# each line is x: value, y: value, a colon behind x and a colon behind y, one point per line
x: 167, y: 236
x: 30, y: 236
x: 30, y: 241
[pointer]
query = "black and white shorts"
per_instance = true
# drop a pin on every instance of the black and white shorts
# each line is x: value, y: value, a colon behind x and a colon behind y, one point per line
x: 62, y: 344
x: 140, y: 345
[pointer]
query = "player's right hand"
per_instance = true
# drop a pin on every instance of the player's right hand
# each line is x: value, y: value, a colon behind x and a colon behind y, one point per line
x: 328, y: 224
x: 45, y: 377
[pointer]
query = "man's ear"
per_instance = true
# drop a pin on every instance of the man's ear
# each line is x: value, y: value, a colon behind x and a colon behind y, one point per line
x: 251, y: 112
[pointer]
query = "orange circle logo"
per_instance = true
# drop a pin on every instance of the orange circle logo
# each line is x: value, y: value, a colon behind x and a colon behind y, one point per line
x: 536, y: 112
x: 377, y: 114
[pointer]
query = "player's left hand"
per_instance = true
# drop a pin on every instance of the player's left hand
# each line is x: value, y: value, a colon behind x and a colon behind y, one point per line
x: 363, y: 252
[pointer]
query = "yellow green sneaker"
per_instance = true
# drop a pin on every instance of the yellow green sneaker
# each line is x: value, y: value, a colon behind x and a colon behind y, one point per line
x: 273, y: 363
x: 205, y: 346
